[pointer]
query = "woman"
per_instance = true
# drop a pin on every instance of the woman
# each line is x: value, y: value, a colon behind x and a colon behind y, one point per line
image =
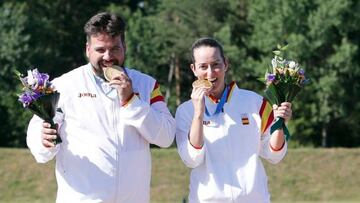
x: 223, y: 131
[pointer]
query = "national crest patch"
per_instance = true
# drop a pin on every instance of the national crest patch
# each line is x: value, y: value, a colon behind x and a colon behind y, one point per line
x: 245, y: 119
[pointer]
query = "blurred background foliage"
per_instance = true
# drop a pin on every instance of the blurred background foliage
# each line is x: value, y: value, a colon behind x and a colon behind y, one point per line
x: 322, y: 35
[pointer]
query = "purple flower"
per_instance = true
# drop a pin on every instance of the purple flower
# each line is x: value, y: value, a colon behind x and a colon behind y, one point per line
x: 301, y: 72
x: 270, y: 77
x: 41, y: 78
x: 36, y: 95
x: 26, y: 98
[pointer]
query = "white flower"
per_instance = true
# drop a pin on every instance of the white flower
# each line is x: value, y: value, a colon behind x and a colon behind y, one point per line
x: 292, y: 64
x: 30, y: 78
x: 274, y: 63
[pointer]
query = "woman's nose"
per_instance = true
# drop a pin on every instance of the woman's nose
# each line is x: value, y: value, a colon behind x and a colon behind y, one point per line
x: 209, y: 71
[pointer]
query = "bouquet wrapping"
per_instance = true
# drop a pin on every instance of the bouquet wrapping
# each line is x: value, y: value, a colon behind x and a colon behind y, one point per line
x: 40, y: 97
x: 284, y: 80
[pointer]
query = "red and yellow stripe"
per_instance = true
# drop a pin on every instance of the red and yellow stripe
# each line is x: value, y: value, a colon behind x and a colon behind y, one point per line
x: 266, y: 115
x: 230, y: 89
x: 156, y: 94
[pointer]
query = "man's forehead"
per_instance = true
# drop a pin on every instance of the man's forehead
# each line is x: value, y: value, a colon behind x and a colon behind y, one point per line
x: 104, y: 36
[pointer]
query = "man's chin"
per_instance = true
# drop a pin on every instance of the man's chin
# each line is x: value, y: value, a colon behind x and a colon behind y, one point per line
x: 98, y: 71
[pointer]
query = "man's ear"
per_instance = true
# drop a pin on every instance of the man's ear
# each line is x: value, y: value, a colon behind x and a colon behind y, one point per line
x: 124, y: 45
x: 87, y: 49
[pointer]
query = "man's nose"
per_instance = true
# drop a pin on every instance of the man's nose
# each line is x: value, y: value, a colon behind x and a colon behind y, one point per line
x: 107, y: 55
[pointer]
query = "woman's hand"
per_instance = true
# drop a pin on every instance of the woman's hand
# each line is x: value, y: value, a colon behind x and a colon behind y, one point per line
x: 284, y: 111
x: 197, y: 96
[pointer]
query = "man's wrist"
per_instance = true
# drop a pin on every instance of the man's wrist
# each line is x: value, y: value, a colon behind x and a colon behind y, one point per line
x: 127, y: 100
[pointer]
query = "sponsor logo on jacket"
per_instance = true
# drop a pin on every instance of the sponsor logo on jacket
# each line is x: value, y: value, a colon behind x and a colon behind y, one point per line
x: 87, y: 94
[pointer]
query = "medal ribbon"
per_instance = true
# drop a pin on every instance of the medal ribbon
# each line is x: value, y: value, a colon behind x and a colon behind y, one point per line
x: 220, y: 104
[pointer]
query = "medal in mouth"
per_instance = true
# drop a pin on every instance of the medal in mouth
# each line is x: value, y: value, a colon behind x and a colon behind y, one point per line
x: 202, y: 83
x: 112, y: 71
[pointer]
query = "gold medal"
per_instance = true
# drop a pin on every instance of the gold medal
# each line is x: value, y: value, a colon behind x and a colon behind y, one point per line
x: 202, y: 83
x: 113, y: 71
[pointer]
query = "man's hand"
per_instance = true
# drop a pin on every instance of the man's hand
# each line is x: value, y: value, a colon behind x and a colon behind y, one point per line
x: 48, y: 135
x: 123, y: 85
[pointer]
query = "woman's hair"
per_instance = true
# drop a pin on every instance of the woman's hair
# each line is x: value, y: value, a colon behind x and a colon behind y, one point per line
x: 206, y: 42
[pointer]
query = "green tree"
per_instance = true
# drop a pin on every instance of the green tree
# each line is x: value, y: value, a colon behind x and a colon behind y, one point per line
x: 160, y: 38
x: 321, y: 37
x: 13, y: 55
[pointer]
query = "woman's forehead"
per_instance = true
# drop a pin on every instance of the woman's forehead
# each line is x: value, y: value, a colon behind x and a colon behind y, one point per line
x: 206, y: 54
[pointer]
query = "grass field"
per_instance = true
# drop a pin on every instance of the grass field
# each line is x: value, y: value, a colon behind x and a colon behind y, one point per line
x: 304, y: 176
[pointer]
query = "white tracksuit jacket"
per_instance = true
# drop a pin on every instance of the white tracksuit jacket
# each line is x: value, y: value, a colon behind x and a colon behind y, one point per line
x: 105, y: 154
x: 227, y: 168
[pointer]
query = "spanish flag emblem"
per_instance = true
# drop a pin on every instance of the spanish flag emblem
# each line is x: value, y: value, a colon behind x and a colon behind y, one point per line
x: 266, y: 115
x: 245, y: 119
x: 156, y: 94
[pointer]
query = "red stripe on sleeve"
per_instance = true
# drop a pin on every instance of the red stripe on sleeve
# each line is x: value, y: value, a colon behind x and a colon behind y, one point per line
x: 262, y: 107
x: 156, y: 85
x: 156, y: 99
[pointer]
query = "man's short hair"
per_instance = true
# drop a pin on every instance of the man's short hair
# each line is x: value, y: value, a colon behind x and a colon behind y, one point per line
x: 108, y: 23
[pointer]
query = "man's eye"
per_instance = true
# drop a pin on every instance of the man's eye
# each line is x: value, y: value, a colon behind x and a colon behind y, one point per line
x: 115, y: 49
x: 100, y: 50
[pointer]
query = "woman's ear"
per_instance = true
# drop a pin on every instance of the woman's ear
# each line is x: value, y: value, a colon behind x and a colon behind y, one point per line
x: 192, y: 66
x: 226, y: 62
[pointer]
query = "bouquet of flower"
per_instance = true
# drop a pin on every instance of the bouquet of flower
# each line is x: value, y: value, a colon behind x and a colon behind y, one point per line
x: 284, y: 80
x: 39, y: 96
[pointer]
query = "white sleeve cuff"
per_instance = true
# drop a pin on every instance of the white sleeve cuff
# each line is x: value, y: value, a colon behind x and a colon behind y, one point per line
x: 196, y: 154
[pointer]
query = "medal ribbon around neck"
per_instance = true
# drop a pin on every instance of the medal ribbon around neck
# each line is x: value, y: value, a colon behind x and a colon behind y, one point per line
x: 220, y: 104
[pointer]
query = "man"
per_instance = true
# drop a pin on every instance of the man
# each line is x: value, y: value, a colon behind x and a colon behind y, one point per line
x: 104, y: 155
x: 222, y: 132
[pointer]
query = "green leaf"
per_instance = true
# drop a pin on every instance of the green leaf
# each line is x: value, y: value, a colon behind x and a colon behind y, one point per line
x: 277, y: 52
x: 293, y: 91
x: 284, y: 47
x: 271, y: 94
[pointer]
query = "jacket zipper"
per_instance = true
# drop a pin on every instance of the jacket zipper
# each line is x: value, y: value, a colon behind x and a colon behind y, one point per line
x: 116, y: 130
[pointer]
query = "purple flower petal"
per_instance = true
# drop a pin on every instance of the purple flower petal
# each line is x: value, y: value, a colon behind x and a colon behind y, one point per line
x: 270, y: 77
x: 301, y: 72
x: 42, y: 79
x: 26, y: 98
